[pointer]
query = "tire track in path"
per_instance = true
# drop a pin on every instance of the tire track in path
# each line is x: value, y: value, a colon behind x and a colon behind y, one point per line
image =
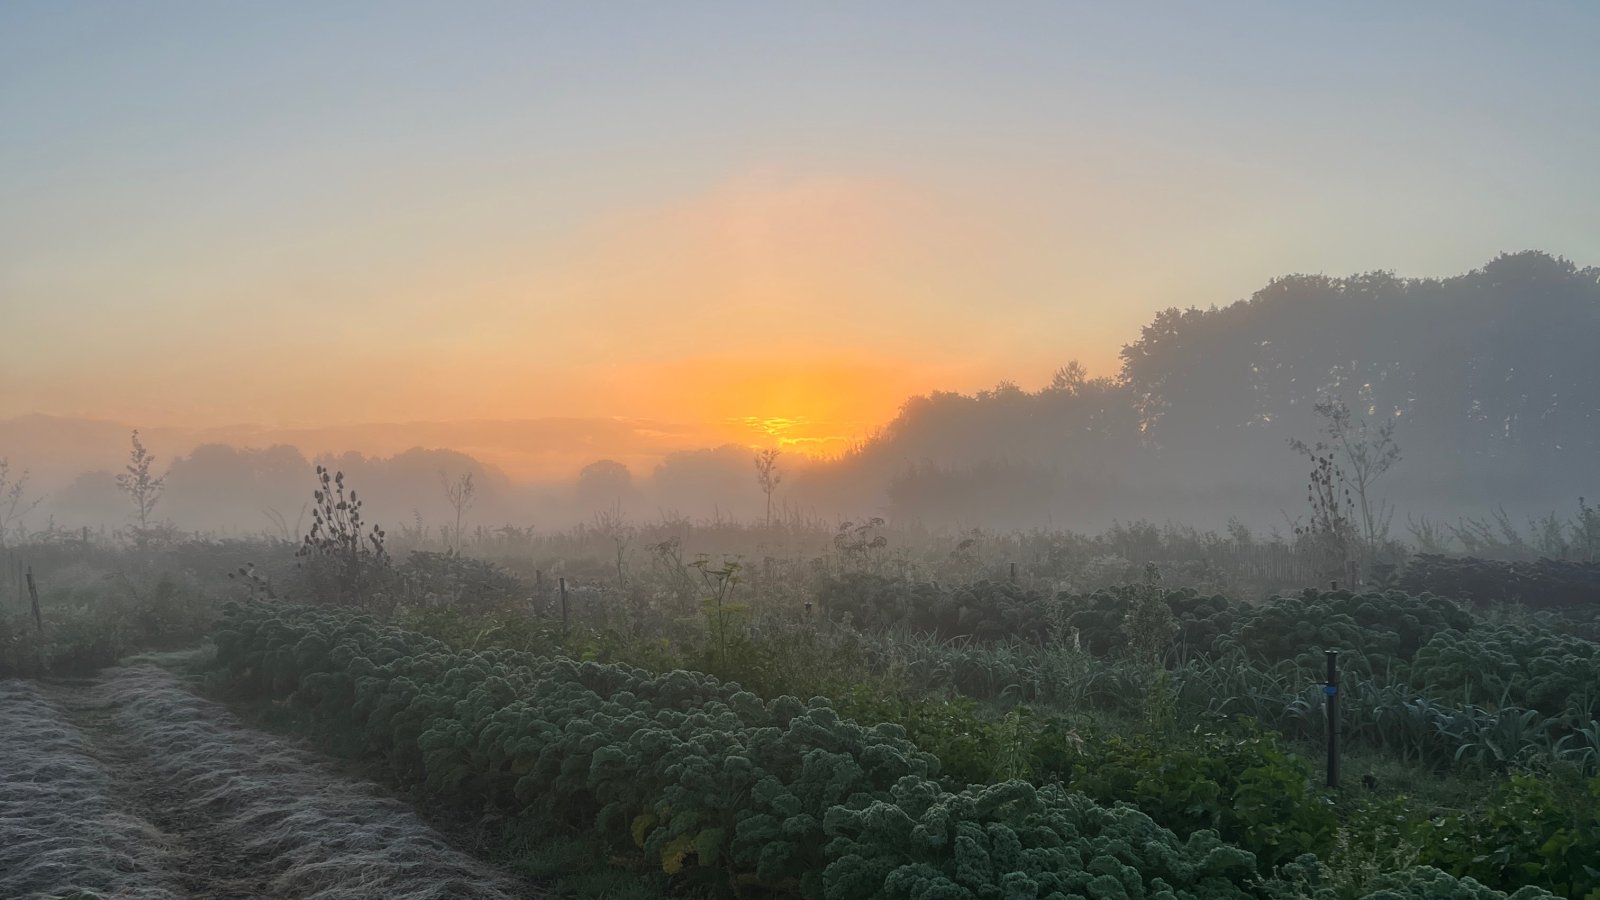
x: 64, y: 828
x: 229, y: 812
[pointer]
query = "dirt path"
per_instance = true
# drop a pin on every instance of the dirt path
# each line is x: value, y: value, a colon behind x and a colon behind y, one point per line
x: 129, y: 785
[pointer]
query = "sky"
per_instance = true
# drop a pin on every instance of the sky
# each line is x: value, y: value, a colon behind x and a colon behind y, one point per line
x: 768, y: 223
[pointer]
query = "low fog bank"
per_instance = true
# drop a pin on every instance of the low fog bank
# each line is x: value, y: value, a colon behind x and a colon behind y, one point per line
x: 225, y: 491
x: 1431, y: 400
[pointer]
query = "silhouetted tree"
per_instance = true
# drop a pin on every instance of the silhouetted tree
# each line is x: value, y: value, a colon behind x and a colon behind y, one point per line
x: 218, y: 487
x: 768, y: 476
x: 13, y: 505
x: 459, y: 492
x: 604, y: 483
x: 142, y: 487
x: 1492, y: 374
x: 1367, y: 452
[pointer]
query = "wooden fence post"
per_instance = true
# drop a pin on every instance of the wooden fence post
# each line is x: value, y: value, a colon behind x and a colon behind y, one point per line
x: 33, y: 594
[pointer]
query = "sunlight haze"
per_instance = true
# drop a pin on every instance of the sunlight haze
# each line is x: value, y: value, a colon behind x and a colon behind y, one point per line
x: 709, y: 214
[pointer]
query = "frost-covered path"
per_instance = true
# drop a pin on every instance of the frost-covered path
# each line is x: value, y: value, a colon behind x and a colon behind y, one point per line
x: 129, y: 785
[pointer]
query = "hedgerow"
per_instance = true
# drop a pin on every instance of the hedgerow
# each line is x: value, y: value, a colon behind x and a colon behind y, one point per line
x: 1541, y: 584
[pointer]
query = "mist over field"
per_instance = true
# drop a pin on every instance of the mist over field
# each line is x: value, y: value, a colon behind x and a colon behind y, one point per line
x: 1484, y: 378
x: 797, y: 451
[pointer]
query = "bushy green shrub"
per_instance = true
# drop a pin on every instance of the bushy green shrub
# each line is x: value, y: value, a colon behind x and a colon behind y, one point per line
x: 450, y: 579
x: 1374, y: 632
x: 1539, y: 831
x: 1239, y: 783
x: 1512, y: 666
x: 1541, y: 584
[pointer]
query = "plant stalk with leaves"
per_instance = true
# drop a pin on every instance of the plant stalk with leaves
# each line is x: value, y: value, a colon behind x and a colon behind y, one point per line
x: 142, y: 487
x: 12, y: 505
x: 340, y: 539
x: 768, y: 476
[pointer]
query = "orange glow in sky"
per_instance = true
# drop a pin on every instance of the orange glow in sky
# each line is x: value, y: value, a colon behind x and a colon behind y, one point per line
x: 790, y: 311
x: 768, y: 224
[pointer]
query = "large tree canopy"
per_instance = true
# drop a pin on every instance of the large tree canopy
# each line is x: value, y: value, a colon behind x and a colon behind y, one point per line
x: 1490, y: 377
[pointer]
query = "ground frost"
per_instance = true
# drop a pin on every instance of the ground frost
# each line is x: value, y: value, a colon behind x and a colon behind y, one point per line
x: 131, y: 786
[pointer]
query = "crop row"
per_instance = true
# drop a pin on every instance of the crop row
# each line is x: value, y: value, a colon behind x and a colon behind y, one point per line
x: 1428, y: 640
x: 713, y: 784
x: 718, y: 788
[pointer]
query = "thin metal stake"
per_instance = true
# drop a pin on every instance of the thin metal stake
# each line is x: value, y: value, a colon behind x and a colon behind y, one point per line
x: 563, y: 604
x: 1331, y: 688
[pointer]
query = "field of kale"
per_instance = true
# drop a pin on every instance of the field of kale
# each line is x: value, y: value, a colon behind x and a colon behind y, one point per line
x: 832, y: 729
